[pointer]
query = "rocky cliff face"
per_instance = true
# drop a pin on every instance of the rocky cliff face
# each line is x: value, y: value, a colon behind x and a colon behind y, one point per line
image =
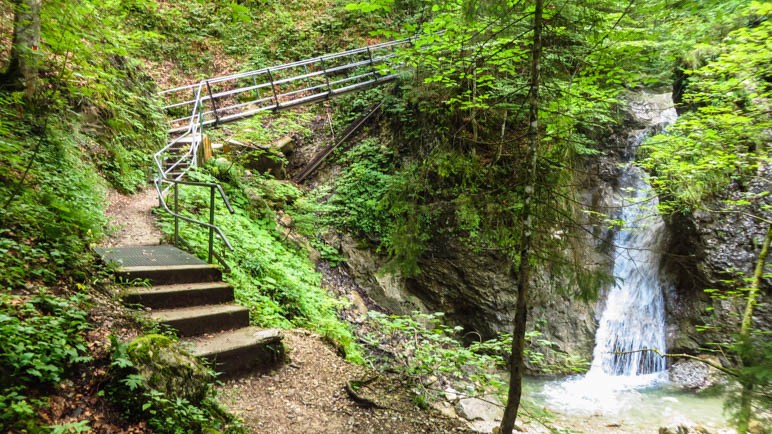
x: 715, y: 250
x: 478, y: 289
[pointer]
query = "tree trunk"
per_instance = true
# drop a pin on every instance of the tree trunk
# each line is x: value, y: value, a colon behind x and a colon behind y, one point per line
x: 516, y: 360
x: 745, y: 332
x: 24, y: 62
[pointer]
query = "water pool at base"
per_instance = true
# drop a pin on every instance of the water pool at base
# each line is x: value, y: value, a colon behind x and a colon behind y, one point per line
x: 635, y: 404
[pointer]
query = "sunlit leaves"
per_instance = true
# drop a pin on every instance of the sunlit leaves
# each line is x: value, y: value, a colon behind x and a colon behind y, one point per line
x: 725, y: 135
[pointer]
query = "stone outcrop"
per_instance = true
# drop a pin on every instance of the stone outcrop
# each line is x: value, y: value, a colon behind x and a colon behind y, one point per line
x: 475, y: 290
x: 478, y: 290
x: 695, y: 375
x: 715, y: 250
x: 483, y: 414
x: 165, y: 368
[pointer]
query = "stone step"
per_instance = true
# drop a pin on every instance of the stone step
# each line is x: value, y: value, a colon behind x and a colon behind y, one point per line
x: 180, y: 295
x: 170, y: 274
x: 241, y: 350
x: 198, y: 320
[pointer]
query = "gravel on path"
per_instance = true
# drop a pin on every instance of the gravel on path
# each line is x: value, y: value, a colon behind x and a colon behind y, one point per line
x: 307, y: 395
x: 132, y: 222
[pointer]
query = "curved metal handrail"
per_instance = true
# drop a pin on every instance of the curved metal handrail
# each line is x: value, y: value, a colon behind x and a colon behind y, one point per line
x: 177, y: 216
x: 158, y: 157
x: 319, y: 79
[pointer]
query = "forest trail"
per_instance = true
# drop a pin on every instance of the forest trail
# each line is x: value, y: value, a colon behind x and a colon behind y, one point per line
x: 131, y: 219
x: 308, y: 395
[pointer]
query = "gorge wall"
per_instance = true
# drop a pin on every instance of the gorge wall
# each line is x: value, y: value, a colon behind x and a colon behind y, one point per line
x: 716, y: 250
x: 478, y: 289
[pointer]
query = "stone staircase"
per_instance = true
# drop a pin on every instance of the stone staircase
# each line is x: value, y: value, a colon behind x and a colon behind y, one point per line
x: 189, y: 296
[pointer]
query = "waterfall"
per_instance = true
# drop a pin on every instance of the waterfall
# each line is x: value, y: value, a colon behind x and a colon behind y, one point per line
x: 633, y: 320
x: 634, y: 316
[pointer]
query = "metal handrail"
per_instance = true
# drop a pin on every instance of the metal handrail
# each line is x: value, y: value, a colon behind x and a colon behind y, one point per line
x: 177, y: 216
x: 299, y: 63
x: 337, y: 80
x: 320, y: 77
x: 175, y: 182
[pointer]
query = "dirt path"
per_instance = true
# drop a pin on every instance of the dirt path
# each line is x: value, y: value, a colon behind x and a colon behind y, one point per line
x: 308, y: 395
x: 131, y: 220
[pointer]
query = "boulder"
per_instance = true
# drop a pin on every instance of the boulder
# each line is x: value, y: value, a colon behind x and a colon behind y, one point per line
x: 683, y: 427
x: 165, y: 368
x: 695, y: 375
x: 487, y: 409
x: 268, y: 162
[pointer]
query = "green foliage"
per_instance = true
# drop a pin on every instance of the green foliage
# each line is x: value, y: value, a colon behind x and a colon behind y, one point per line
x: 272, y: 277
x: 198, y: 38
x: 310, y: 217
x: 264, y: 128
x: 42, y: 338
x: 751, y: 358
x: 725, y: 135
x: 72, y: 427
x: 94, y: 107
x: 359, y: 190
x: 88, y: 43
x: 133, y: 128
x: 166, y: 411
x: 48, y: 220
x: 422, y: 347
x: 462, y: 125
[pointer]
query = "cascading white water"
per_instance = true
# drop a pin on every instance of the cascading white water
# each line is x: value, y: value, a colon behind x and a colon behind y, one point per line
x: 633, y: 320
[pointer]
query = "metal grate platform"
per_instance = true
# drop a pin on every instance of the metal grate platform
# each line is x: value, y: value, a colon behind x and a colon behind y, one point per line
x: 144, y: 256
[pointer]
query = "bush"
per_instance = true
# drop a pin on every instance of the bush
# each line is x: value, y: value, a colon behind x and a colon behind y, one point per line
x: 153, y: 380
x: 42, y: 338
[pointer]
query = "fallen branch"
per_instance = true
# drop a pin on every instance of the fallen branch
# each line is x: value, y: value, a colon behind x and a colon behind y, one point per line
x: 362, y: 401
x: 729, y: 371
x: 244, y: 145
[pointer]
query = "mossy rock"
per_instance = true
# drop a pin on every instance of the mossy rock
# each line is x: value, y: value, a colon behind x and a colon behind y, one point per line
x: 167, y: 369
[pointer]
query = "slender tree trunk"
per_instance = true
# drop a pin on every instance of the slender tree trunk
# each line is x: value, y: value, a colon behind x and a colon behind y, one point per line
x: 24, y: 63
x: 745, y: 332
x: 516, y: 360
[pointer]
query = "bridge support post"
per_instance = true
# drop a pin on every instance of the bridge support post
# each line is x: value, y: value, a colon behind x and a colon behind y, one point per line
x: 373, y: 72
x: 273, y: 88
x: 214, y: 106
x: 326, y: 77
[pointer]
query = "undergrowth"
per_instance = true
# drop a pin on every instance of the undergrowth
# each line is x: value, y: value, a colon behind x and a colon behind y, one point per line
x: 42, y: 339
x: 432, y: 353
x: 49, y: 216
x: 198, y: 39
x: 271, y: 275
x: 359, y: 190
